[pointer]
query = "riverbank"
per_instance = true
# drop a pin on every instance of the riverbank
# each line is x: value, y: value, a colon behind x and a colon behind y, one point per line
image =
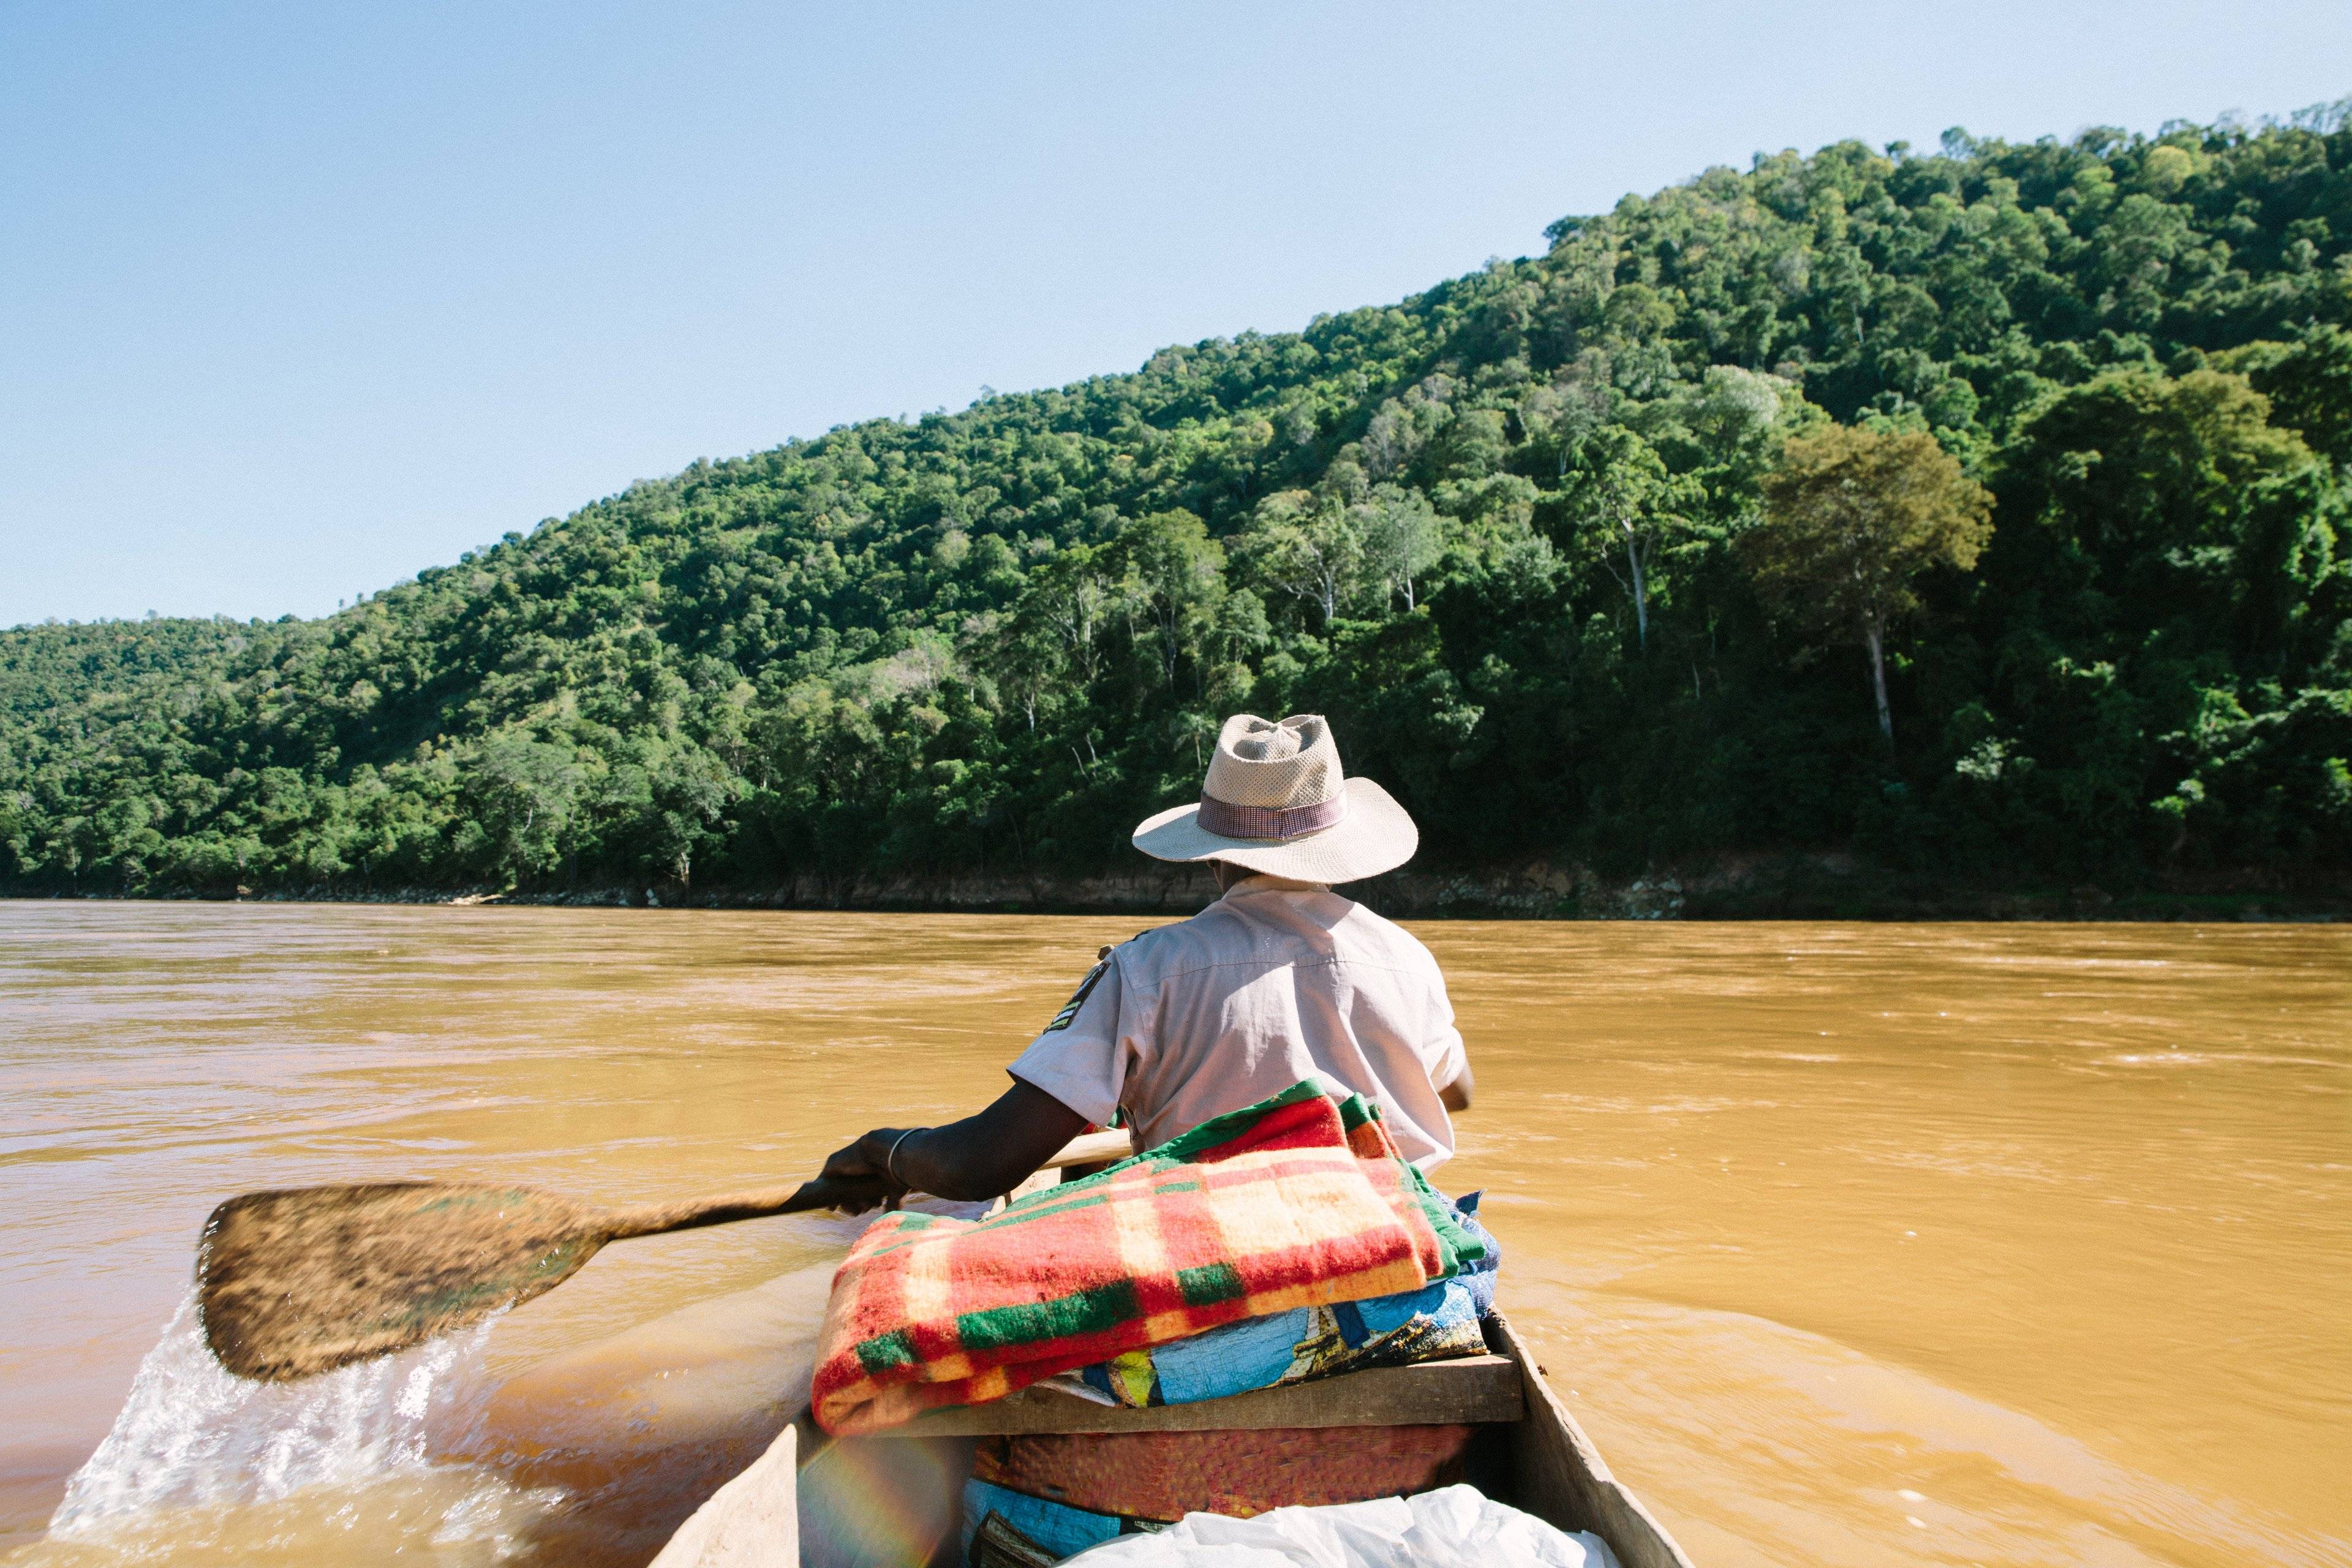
x: 1798, y: 887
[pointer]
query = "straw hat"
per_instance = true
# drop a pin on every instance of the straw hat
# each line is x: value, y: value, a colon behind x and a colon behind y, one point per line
x: 1276, y: 800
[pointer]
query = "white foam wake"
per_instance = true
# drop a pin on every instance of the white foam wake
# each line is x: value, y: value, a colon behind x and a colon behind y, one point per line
x: 191, y: 1434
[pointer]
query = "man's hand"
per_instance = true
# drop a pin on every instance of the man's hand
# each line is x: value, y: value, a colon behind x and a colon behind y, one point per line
x: 1455, y: 1096
x: 862, y: 1172
x: 982, y: 1156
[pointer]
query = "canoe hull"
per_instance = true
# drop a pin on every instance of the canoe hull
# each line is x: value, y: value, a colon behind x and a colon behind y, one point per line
x: 892, y: 1499
x: 1559, y: 1476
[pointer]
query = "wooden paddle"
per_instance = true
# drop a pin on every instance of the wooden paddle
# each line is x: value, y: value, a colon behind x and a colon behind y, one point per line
x: 306, y: 1280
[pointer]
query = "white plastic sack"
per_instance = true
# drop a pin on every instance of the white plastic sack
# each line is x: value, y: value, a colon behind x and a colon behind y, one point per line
x: 1456, y: 1527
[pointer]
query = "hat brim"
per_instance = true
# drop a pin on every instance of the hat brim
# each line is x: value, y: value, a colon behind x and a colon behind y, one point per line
x: 1376, y: 836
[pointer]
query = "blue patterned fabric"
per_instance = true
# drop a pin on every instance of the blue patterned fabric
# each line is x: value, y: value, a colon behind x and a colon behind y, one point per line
x: 1062, y: 1530
x: 1479, y: 1276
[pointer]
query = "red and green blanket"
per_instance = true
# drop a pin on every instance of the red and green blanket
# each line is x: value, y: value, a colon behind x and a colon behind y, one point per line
x: 1300, y: 1200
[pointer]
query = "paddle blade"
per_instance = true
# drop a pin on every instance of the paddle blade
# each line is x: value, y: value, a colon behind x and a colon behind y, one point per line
x: 304, y: 1281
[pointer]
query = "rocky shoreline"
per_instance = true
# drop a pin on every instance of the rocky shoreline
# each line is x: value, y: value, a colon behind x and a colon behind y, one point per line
x: 1806, y: 887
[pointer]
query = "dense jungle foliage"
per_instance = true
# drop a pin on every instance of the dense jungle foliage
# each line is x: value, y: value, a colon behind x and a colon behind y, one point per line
x: 1494, y: 530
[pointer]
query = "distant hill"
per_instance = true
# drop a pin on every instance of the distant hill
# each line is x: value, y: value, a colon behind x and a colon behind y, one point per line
x: 990, y: 640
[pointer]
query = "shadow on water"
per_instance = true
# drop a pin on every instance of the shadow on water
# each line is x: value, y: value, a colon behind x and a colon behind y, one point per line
x: 632, y: 1432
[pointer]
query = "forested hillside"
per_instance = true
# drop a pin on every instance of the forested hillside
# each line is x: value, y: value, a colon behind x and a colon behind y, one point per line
x: 1514, y: 534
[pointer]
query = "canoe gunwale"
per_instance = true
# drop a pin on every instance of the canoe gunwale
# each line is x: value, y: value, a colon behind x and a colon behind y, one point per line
x: 1556, y: 1472
x: 1560, y: 1476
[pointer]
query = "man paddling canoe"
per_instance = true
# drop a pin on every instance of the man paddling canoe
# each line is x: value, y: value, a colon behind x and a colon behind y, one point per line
x: 1280, y: 980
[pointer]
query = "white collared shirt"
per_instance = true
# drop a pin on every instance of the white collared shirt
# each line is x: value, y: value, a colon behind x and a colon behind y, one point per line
x: 1275, y: 982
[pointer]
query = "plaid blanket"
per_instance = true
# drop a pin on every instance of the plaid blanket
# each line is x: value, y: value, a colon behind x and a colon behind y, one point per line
x: 1297, y: 1201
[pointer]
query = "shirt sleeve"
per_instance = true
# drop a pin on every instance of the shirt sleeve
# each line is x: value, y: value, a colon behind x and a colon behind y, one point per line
x: 1080, y: 1059
x: 1442, y: 1047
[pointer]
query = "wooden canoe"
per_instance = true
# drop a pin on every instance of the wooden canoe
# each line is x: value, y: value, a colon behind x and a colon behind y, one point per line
x: 892, y: 1499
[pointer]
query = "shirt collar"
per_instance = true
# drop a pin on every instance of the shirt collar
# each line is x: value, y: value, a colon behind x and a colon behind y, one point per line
x: 1266, y: 882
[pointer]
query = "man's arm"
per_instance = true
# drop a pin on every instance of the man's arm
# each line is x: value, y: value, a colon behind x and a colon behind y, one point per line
x: 982, y: 1156
x: 1455, y: 1096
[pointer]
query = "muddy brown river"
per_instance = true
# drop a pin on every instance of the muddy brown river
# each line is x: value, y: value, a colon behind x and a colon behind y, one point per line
x: 1850, y: 1244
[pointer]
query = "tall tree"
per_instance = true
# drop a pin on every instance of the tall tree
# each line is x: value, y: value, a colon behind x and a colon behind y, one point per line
x: 1074, y: 594
x: 1174, y: 577
x: 1308, y: 546
x: 1401, y: 537
x: 1620, y: 488
x: 1851, y: 517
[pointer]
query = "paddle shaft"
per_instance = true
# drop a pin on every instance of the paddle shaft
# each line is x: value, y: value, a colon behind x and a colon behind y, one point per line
x: 692, y: 1214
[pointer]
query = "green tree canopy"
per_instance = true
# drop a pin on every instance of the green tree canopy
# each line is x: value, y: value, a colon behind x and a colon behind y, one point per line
x: 1851, y: 518
x: 1496, y: 530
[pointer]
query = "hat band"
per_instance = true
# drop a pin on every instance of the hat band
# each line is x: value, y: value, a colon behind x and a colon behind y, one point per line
x: 1226, y: 820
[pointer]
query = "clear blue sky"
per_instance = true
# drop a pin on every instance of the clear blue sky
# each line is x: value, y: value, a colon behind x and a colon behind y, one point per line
x: 298, y: 298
